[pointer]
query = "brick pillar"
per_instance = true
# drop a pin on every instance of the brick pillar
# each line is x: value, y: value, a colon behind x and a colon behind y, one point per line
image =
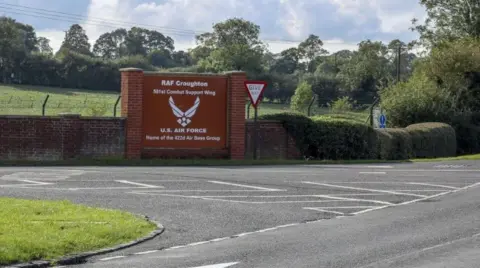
x: 132, y: 109
x: 236, y: 114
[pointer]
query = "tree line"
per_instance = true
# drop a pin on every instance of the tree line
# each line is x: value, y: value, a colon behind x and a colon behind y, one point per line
x: 233, y: 44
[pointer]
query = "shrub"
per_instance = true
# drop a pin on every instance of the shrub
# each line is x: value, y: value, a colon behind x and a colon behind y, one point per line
x: 300, y: 128
x: 344, y: 139
x: 326, y: 138
x: 431, y: 140
x: 394, y: 144
x: 302, y: 97
x: 344, y: 104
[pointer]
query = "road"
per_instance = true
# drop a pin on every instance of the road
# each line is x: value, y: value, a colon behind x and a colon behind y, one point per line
x: 402, y: 215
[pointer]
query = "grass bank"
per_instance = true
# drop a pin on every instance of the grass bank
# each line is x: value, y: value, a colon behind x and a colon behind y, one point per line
x: 47, y: 230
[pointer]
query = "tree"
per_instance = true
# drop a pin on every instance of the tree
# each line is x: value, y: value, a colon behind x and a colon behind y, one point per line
x: 76, y: 40
x: 310, y: 49
x: 448, y: 20
x: 302, y: 97
x: 234, y: 45
x: 111, y: 45
x: 406, y: 59
x: 43, y: 46
x: 141, y: 41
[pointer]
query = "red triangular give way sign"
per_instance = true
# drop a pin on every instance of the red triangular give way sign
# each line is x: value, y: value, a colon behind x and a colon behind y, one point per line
x: 255, y: 90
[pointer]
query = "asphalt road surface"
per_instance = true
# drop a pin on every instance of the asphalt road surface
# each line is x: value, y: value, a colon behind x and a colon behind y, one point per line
x: 401, y: 215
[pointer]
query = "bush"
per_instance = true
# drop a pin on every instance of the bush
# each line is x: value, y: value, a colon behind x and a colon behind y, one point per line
x: 344, y: 104
x: 344, y: 139
x: 431, y: 140
x: 326, y: 138
x: 394, y: 144
x: 301, y: 128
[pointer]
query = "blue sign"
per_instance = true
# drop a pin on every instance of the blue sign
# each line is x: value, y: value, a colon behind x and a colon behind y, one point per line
x: 383, y: 121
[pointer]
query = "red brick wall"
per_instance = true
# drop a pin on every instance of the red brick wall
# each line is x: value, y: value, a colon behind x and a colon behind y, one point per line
x: 60, y: 137
x: 273, y: 141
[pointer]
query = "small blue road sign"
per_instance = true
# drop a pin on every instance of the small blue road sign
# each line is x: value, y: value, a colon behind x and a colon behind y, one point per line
x: 382, y: 120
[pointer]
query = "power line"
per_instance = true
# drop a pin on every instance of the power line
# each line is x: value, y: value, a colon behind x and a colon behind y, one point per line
x: 94, y: 21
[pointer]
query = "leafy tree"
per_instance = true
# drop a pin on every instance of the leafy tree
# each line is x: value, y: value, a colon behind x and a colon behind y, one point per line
x: 141, y: 41
x: 43, y: 46
x: 111, y: 45
x: 234, y: 45
x: 302, y: 97
x: 310, y: 49
x: 76, y: 40
x: 448, y: 21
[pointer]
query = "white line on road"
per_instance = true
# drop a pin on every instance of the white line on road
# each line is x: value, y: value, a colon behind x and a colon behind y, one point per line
x: 379, y: 166
x: 434, y: 185
x: 36, y: 182
x: 246, y: 186
x: 373, y: 172
x: 326, y: 211
x: 219, y: 265
x: 361, y: 189
x: 146, y: 252
x: 355, y: 199
x: 139, y: 184
x: 347, y: 207
x: 112, y: 258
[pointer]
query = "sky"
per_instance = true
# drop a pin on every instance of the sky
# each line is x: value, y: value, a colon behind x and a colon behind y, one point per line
x: 340, y: 24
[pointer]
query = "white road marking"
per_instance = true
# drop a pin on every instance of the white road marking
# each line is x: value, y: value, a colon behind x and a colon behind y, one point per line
x: 246, y: 186
x: 361, y: 189
x: 198, y: 243
x: 347, y: 207
x: 373, y: 172
x: 326, y: 211
x: 146, y: 252
x: 379, y: 166
x: 112, y: 258
x: 219, y: 265
x: 434, y: 185
x: 355, y: 199
x: 36, y: 182
x: 139, y: 184
x: 384, y: 261
x: 162, y: 192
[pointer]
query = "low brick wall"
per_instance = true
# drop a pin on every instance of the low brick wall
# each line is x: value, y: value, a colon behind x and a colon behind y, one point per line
x: 274, y: 142
x: 60, y: 137
x: 71, y: 136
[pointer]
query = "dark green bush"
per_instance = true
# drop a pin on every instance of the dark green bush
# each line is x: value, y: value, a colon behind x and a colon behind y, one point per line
x: 431, y: 140
x: 301, y: 128
x: 327, y: 138
x: 344, y: 139
x: 394, y: 144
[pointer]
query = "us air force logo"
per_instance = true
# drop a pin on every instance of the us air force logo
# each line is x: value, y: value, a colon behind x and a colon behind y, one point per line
x: 184, y: 118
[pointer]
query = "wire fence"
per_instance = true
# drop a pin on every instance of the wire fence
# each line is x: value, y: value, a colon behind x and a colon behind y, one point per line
x: 49, y: 105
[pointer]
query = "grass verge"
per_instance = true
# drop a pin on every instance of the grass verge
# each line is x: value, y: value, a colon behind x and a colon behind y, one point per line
x: 47, y: 230
x: 462, y: 157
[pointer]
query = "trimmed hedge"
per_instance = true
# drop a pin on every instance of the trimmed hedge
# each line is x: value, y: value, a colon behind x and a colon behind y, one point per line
x: 431, y: 140
x: 329, y: 138
x: 394, y: 144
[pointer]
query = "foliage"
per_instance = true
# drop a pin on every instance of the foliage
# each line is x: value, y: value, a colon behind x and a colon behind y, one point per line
x: 447, y: 21
x: 327, y: 138
x: 416, y: 100
x: 394, y: 144
x: 343, y: 104
x: 302, y: 97
x: 431, y: 140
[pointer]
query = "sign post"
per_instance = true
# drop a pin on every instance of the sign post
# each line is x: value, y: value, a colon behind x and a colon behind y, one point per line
x: 255, y: 90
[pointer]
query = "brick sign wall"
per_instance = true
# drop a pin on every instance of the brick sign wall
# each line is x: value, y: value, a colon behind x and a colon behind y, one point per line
x: 60, y: 137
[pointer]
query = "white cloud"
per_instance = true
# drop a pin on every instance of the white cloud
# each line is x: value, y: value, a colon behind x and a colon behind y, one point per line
x: 332, y: 20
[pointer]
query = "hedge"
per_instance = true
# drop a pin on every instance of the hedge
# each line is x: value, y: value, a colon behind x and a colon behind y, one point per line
x: 329, y: 138
x: 394, y: 144
x: 431, y: 140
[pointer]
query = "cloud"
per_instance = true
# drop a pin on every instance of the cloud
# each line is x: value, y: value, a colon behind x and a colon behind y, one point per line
x: 341, y: 24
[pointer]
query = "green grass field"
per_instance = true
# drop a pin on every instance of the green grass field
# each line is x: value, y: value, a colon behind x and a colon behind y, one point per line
x: 28, y: 100
x: 48, y: 230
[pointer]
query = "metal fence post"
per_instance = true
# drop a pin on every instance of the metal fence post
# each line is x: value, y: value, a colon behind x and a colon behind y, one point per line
x: 115, y: 107
x: 248, y: 110
x: 44, y: 105
x: 310, y: 105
